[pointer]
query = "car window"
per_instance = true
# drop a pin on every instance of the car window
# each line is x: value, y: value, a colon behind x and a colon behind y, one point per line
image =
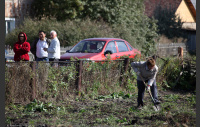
x: 122, y: 46
x: 88, y: 47
x: 129, y: 46
x: 111, y: 46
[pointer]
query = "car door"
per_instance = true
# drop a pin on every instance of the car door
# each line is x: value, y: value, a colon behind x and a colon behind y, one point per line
x: 132, y: 50
x: 122, y: 49
x: 111, y: 47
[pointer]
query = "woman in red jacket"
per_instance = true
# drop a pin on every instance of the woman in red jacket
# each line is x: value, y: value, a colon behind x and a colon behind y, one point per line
x: 21, y: 48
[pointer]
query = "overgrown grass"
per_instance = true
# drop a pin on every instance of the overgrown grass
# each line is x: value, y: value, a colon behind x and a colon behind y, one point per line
x: 175, y: 73
x: 104, y: 101
x: 109, y: 111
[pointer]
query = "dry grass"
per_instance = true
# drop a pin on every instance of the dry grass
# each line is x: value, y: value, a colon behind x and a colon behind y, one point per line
x: 18, y: 83
x: 58, y: 84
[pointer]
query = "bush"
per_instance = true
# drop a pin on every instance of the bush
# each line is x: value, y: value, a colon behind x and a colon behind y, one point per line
x: 69, y: 32
x: 59, y: 84
x: 128, y: 21
x: 109, y: 18
x: 178, y: 74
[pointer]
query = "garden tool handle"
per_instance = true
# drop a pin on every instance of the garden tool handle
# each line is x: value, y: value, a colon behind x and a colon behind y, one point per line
x: 149, y: 92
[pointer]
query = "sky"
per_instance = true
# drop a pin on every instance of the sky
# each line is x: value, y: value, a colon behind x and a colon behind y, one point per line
x: 194, y: 3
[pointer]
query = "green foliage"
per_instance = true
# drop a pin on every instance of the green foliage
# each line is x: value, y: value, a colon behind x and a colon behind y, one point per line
x: 192, y: 99
x: 35, y: 106
x: 131, y: 24
x: 179, y: 108
x: 125, y: 17
x: 108, y: 10
x: 169, y: 24
x: 122, y: 120
x: 31, y: 28
x: 61, y: 10
x: 178, y: 74
x: 69, y: 32
x: 59, y: 80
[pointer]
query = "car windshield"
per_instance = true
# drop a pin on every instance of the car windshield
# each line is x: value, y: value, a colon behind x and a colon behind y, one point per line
x: 88, y: 47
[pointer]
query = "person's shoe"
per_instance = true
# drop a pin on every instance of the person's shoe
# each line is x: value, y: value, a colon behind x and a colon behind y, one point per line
x: 139, y: 106
x: 157, y: 102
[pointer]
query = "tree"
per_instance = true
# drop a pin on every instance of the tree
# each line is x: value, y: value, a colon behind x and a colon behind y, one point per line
x: 169, y: 24
x: 59, y: 9
x: 127, y: 20
x: 126, y: 17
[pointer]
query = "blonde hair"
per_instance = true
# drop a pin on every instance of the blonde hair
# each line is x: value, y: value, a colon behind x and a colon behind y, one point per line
x: 151, y: 62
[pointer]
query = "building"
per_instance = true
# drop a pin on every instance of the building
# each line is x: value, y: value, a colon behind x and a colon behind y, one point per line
x: 185, y: 9
x: 15, y: 11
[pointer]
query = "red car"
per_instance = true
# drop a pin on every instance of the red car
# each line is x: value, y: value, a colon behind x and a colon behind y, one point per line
x: 97, y: 49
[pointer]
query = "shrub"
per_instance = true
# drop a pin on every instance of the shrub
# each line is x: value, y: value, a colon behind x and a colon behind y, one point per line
x: 69, y: 32
x: 49, y: 9
x: 59, y: 84
x: 110, y: 18
x: 127, y: 20
x: 178, y: 74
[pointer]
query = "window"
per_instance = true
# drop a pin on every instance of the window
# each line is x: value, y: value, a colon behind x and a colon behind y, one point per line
x: 111, y: 46
x: 10, y: 24
x: 88, y: 47
x: 122, y: 46
x: 129, y: 46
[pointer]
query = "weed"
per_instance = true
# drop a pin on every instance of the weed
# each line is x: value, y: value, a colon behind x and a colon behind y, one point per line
x: 122, y: 120
x: 192, y: 99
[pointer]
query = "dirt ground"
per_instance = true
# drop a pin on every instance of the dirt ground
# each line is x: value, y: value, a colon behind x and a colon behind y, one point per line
x: 176, y: 109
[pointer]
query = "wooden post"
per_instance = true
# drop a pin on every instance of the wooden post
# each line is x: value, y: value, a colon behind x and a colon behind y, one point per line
x: 126, y: 62
x: 34, y: 80
x: 79, y: 76
x: 125, y: 69
x: 180, y: 52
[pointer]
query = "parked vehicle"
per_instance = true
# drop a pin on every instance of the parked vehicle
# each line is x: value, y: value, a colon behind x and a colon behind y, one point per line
x: 96, y: 49
x: 8, y: 57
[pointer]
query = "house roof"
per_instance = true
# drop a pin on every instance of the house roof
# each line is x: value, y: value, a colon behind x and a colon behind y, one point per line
x: 151, y: 5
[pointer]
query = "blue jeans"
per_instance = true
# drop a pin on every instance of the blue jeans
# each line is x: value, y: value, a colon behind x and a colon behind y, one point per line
x: 42, y: 59
x: 141, y: 89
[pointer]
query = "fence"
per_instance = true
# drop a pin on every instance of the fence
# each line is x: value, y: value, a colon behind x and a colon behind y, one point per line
x: 170, y: 49
x: 26, y: 81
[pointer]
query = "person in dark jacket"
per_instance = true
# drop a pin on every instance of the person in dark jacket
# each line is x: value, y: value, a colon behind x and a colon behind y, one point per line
x: 38, y: 45
x: 21, y: 48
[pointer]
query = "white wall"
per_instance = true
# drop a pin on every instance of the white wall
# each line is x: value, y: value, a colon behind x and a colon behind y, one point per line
x: 10, y: 24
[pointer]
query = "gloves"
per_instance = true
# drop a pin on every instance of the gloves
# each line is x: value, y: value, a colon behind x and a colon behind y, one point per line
x: 148, y: 87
